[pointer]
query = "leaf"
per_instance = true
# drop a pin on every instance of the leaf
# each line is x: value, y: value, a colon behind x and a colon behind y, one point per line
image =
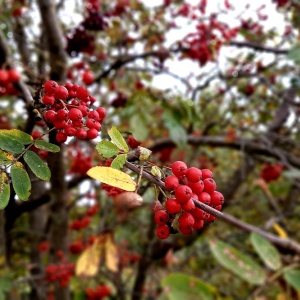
x: 144, y: 153
x: 20, y: 181
x: 107, y: 149
x: 294, y: 54
x: 5, y: 158
x: 37, y: 165
x: 43, y: 145
x: 119, y: 161
x: 10, y: 145
x: 118, y: 139
x: 180, y: 286
x: 139, y: 127
x: 113, y: 177
x: 292, y: 277
x: 4, y: 190
x: 103, y: 250
x: 237, y: 262
x: 155, y: 171
x: 266, y: 251
x: 18, y: 135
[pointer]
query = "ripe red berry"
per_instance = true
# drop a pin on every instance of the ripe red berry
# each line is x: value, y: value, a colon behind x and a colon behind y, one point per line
x: 188, y: 206
x: 3, y: 76
x: 50, y: 87
x: 198, y: 224
x: 81, y: 134
x: 161, y: 217
x: 61, y: 93
x: 75, y: 114
x: 82, y: 93
x: 162, y: 231
x: 171, y: 182
x: 84, y: 110
x: 183, y: 193
x: 173, y: 206
x: 70, y: 130
x: 197, y: 187
x: 209, y: 185
x: 198, y: 213
x: 101, y: 112
x: 179, y: 168
x: 60, y: 124
x: 206, y: 174
x: 93, y: 115
x: 211, y: 218
x: 216, y: 198
x: 50, y: 116
x: 193, y: 174
x: 185, y: 230
x: 48, y: 99
x: 186, y: 219
x: 204, y: 198
x: 62, y: 115
x: 61, y: 137
x: 97, y: 126
x: 92, y: 133
x: 13, y: 75
x: 87, y: 77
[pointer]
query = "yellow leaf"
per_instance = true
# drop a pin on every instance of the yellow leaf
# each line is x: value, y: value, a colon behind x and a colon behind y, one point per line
x: 113, y: 177
x: 111, y: 255
x: 280, y: 231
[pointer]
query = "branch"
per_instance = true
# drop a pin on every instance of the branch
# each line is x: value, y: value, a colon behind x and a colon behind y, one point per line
x: 258, y: 47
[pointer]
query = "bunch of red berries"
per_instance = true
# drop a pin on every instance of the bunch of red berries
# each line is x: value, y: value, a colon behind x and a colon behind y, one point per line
x: 100, y: 292
x: 7, y: 79
x: 187, y: 185
x: 68, y: 109
x: 271, y: 172
x: 80, y: 223
x: 60, y: 273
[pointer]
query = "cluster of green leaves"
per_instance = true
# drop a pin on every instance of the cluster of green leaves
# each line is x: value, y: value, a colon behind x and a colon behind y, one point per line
x: 14, y: 146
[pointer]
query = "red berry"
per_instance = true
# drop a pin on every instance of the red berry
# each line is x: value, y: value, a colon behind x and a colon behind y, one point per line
x: 204, y: 198
x: 61, y: 93
x: 179, y: 168
x: 75, y: 114
x: 161, y: 217
x: 61, y: 137
x: 185, y: 230
x: 206, y: 174
x: 60, y: 124
x: 216, y: 198
x: 50, y: 116
x: 81, y: 134
x: 198, y: 224
x: 84, y: 110
x: 193, y: 174
x: 93, y: 115
x: 101, y: 112
x: 82, y: 93
x: 70, y: 130
x: 87, y: 77
x: 198, y: 213
x: 218, y: 207
x: 62, y: 115
x: 186, y: 219
x: 211, y: 218
x: 97, y: 126
x: 188, y: 206
x: 197, y: 187
x: 92, y: 133
x: 50, y: 87
x: 48, y: 99
x: 162, y: 231
x: 183, y: 193
x: 13, y: 75
x: 3, y: 76
x: 171, y: 182
x: 173, y: 206
x: 209, y: 185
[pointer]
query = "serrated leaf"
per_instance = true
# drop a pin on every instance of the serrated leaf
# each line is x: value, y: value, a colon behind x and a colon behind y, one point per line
x: 18, y: 135
x: 113, y: 177
x: 43, y: 145
x: 10, y: 145
x: 237, y: 262
x: 103, y: 250
x: 118, y: 139
x: 266, y: 251
x: 20, y: 181
x: 37, y: 165
x: 119, y: 161
x: 107, y: 149
x: 292, y: 277
x: 182, y: 286
x: 5, y: 158
x: 4, y: 190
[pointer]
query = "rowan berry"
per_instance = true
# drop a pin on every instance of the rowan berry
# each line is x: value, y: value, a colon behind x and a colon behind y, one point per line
x: 197, y: 187
x: 75, y: 114
x: 84, y: 110
x: 50, y: 116
x: 61, y: 137
x: 198, y: 213
x: 198, y: 224
x: 162, y: 231
x: 101, y: 112
x: 13, y: 75
x: 61, y: 93
x: 82, y: 93
x: 179, y: 168
x: 50, y: 87
x: 87, y: 77
x: 81, y: 134
x: 216, y: 198
x: 188, y: 205
x: 93, y: 115
x: 61, y: 115
x: 3, y: 76
x: 173, y: 206
x: 171, y: 182
x: 183, y: 193
x: 161, y: 217
x: 186, y: 219
x: 185, y: 230
x: 70, y: 130
x: 60, y: 124
x: 204, y: 197
x: 92, y: 133
x: 206, y: 174
x: 194, y: 174
x: 209, y: 185
x: 48, y: 99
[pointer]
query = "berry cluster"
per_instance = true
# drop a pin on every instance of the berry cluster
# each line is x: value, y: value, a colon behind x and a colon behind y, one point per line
x: 68, y: 109
x: 80, y: 223
x: 81, y: 163
x: 100, y: 292
x: 60, y: 273
x: 7, y: 79
x: 271, y: 172
x: 186, y: 185
x: 76, y: 247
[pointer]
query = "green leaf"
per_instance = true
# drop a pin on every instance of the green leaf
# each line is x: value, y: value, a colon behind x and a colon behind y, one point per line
x: 266, y: 251
x: 37, y: 165
x: 4, y: 190
x: 118, y: 139
x: 119, y: 161
x: 237, y: 262
x: 144, y: 153
x: 43, y: 145
x: 107, y: 149
x: 5, y: 158
x: 5, y: 284
x: 292, y: 173
x: 139, y: 127
x: 294, y: 54
x: 10, y: 145
x: 292, y: 277
x: 20, y: 181
x: 18, y: 135
x: 180, y: 286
